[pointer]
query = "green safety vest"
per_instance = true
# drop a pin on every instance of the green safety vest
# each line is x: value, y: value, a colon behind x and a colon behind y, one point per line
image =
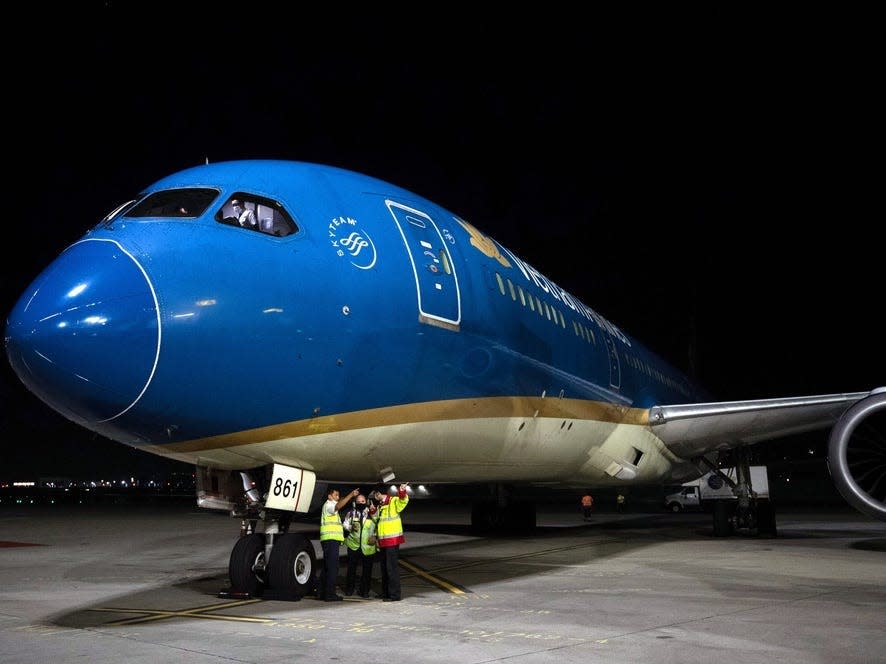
x: 367, y: 531
x: 362, y: 528
x: 330, y: 526
x: 353, y: 539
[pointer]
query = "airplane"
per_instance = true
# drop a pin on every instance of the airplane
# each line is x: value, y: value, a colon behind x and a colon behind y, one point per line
x: 336, y: 328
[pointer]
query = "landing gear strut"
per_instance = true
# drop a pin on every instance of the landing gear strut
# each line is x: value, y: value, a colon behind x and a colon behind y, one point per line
x: 748, y: 512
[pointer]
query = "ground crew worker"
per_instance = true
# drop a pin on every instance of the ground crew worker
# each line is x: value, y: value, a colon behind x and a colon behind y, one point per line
x: 390, y: 537
x: 368, y: 549
x: 331, y: 536
x: 587, y: 504
x: 354, y: 525
x: 620, y: 502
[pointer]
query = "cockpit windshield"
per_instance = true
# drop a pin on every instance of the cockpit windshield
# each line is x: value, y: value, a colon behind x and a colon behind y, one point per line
x: 180, y: 203
x: 248, y: 211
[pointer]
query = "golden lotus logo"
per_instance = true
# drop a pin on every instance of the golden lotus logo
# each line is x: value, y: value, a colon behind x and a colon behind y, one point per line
x: 485, y: 244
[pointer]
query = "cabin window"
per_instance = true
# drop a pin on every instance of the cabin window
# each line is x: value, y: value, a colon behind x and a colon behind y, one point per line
x: 180, y: 203
x: 256, y: 213
x: 501, y: 284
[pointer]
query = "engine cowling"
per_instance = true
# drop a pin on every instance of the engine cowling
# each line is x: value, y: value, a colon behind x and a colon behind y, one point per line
x: 858, y: 462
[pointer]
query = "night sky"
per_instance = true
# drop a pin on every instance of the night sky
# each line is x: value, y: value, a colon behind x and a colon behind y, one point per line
x: 711, y: 185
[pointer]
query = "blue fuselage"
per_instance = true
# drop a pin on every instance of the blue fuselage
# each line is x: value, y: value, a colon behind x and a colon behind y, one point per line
x: 156, y: 331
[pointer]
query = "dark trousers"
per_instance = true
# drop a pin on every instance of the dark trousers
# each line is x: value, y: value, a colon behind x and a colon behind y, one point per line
x: 358, y: 559
x: 330, y: 567
x: 390, y: 572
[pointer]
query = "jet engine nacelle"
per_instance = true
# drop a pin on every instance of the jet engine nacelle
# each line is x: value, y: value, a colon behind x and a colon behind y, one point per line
x: 857, y: 464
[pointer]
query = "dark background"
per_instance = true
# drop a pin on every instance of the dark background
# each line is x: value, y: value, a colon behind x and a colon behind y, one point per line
x: 711, y: 183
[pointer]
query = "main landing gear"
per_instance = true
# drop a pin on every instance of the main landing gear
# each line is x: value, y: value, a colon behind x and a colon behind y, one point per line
x: 749, y: 513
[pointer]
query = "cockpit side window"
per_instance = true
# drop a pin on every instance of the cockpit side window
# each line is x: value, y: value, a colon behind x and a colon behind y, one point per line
x: 181, y: 203
x: 256, y: 213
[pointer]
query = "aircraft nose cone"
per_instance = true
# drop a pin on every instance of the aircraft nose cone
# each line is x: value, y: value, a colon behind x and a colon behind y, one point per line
x: 84, y: 336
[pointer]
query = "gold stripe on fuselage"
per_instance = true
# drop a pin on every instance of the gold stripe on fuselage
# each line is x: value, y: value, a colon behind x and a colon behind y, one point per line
x: 430, y: 411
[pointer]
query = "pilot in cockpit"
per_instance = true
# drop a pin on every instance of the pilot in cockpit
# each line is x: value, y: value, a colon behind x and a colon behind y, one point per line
x: 245, y: 216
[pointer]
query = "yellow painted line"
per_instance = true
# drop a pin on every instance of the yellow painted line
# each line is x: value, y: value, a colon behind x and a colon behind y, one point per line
x: 455, y: 589
x: 432, y: 579
x: 531, y: 554
x: 150, y: 615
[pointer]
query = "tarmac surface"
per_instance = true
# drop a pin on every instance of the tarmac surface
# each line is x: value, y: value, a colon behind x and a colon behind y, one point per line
x: 135, y: 583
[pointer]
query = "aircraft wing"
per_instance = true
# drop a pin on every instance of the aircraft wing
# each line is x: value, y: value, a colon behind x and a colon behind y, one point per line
x: 691, y: 430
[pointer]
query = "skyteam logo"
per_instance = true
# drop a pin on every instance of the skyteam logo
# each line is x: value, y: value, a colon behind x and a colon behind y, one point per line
x: 352, y: 243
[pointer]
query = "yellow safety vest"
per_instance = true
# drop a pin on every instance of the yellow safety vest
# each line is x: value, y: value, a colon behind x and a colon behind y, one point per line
x: 330, y: 526
x: 367, y: 531
x: 389, y: 524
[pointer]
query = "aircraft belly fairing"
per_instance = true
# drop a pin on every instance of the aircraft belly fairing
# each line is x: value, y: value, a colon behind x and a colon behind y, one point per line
x: 508, y: 449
